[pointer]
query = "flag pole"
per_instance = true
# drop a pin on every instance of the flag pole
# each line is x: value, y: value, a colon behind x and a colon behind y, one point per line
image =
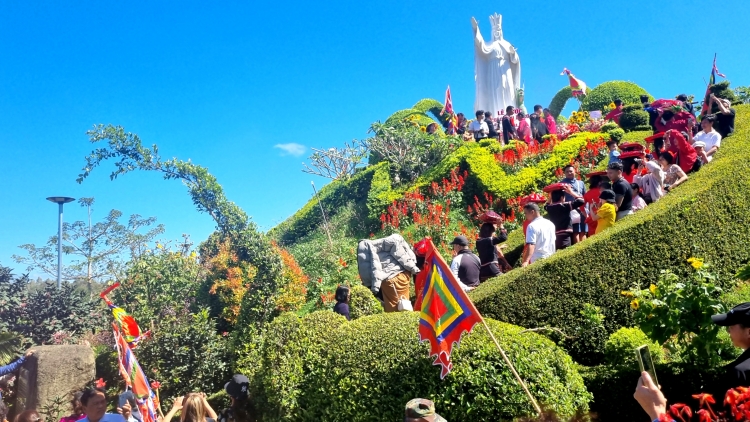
x: 512, y: 368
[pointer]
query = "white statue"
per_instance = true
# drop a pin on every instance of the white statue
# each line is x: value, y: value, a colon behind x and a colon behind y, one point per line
x: 497, y: 69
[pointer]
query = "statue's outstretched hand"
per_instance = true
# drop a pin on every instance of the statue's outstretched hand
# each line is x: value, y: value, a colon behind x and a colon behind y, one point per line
x: 474, y: 23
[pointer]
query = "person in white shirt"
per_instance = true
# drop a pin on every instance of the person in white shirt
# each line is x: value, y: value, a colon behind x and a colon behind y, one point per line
x: 479, y: 127
x: 540, y: 236
x: 710, y: 138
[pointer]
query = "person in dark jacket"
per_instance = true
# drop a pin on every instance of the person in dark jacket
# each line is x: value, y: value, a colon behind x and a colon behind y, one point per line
x: 487, y: 250
x: 538, y: 128
x: 342, y: 302
x: 558, y: 211
x: 737, y: 373
x: 506, y: 124
x: 490, y: 125
x: 465, y: 265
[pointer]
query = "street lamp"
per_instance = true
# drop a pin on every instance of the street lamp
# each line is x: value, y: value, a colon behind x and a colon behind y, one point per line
x: 60, y: 200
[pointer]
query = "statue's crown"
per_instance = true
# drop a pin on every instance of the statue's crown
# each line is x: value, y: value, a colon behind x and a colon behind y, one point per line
x: 497, y: 20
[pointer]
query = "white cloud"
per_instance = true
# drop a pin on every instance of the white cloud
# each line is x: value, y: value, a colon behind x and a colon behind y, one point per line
x: 291, y: 149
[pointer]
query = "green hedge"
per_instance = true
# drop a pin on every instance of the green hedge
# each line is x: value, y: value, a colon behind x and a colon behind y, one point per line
x: 605, y: 93
x: 362, y: 302
x: 322, y: 368
x: 706, y: 217
x: 429, y: 105
x: 334, y: 196
x: 633, y: 117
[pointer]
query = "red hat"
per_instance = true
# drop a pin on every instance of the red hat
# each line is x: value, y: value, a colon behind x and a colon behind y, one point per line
x: 555, y: 186
x: 632, y: 154
x: 597, y: 173
x: 629, y: 146
x: 420, y: 248
x: 654, y: 137
x: 491, y: 217
x: 533, y: 197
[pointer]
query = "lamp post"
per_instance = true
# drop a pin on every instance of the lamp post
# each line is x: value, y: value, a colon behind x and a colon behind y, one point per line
x: 60, y: 201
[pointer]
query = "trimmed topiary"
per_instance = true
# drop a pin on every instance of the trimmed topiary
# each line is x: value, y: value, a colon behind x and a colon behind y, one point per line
x: 434, y: 107
x: 362, y: 303
x: 605, y: 93
x: 616, y: 134
x: 643, y: 128
x: 706, y: 217
x: 608, y: 127
x: 633, y: 117
x: 619, y: 351
x: 559, y: 101
x: 319, y: 368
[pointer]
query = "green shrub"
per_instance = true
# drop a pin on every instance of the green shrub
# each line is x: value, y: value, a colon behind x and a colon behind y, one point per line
x: 620, y: 348
x: 362, y: 303
x: 707, y: 216
x: 186, y: 354
x: 616, y: 134
x: 633, y: 117
x: 368, y: 369
x: 334, y: 196
x: 609, y: 127
x: 433, y: 107
x: 492, y: 145
x: 643, y: 128
x: 738, y: 294
x: 607, y: 92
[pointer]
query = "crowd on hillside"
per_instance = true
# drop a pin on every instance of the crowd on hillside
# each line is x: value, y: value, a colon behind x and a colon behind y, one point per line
x: 511, y: 124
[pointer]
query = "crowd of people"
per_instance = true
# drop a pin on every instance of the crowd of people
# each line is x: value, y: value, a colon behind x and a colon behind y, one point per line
x: 509, y: 124
x: 91, y: 405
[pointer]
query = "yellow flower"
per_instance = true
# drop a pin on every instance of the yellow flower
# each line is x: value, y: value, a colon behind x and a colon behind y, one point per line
x: 697, y: 263
x: 612, y: 105
x: 652, y: 289
x: 634, y: 304
x: 627, y: 293
x: 159, y: 246
x: 423, y: 129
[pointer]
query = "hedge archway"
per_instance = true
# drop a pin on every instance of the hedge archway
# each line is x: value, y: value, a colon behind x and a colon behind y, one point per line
x: 560, y: 99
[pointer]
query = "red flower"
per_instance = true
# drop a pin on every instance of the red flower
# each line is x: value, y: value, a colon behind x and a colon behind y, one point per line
x: 100, y: 383
x: 704, y: 416
x: 704, y: 399
x: 342, y: 262
x: 155, y: 385
x: 679, y: 410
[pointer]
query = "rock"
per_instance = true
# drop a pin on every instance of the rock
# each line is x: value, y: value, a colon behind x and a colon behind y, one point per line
x: 51, y: 374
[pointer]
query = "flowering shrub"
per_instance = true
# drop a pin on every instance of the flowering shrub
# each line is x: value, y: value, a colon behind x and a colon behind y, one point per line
x: 428, y: 213
x: 293, y: 285
x: 737, y: 401
x: 520, y: 154
x: 677, y: 313
x: 229, y: 279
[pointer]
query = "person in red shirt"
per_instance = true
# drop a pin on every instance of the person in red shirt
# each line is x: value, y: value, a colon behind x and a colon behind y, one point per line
x: 681, y: 121
x: 687, y: 157
x: 615, y: 114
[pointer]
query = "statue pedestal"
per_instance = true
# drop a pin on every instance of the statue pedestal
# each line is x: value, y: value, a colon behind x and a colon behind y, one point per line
x: 53, y: 372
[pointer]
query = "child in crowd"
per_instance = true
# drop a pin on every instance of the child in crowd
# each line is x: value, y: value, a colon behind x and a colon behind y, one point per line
x: 614, y: 152
x: 606, y: 214
x: 342, y: 302
x: 638, y: 202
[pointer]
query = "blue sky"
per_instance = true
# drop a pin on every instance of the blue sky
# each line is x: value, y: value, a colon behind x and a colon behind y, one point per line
x: 222, y: 84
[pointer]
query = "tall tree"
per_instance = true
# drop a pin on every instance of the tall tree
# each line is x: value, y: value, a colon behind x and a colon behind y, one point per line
x: 232, y: 223
x: 99, y: 250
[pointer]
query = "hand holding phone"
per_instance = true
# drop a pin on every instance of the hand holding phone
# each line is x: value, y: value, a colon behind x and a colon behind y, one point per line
x: 645, y: 362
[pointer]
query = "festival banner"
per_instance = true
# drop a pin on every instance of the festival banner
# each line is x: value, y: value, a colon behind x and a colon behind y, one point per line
x: 711, y: 81
x: 446, y: 311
